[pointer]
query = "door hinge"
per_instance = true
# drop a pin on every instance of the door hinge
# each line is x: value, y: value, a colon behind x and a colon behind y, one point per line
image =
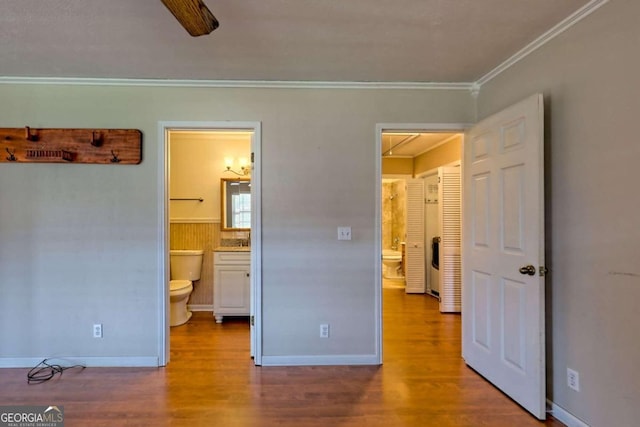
x: 543, y: 270
x: 253, y: 157
x: 253, y: 320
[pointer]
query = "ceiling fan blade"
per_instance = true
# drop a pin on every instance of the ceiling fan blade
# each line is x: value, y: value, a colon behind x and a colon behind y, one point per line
x: 194, y: 16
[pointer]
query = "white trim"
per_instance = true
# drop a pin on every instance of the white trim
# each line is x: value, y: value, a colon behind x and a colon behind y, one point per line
x: 163, y: 246
x: 325, y: 360
x: 430, y: 172
x: 256, y: 244
x: 377, y: 243
x: 194, y: 221
x: 549, y: 35
x: 163, y: 224
x: 97, y: 362
x: 200, y: 307
x: 269, y: 84
x: 562, y: 415
x: 424, y: 127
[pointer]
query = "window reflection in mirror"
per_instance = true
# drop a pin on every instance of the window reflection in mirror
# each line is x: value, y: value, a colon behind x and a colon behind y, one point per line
x: 235, y: 201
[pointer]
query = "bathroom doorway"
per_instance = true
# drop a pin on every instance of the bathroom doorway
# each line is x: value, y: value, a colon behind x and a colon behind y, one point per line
x: 198, y: 157
x: 393, y: 232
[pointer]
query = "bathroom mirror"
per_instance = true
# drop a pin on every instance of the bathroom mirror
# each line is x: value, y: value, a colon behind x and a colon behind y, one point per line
x: 235, y: 203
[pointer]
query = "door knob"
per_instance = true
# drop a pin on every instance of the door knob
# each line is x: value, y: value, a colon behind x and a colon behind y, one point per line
x: 528, y: 269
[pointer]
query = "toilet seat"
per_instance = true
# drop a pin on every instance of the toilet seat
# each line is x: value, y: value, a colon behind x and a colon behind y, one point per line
x: 179, y: 285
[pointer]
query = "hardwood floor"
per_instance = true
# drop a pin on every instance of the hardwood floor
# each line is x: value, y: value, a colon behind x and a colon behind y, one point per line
x: 211, y: 381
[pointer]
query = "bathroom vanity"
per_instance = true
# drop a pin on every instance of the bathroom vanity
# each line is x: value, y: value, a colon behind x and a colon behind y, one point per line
x: 231, y: 285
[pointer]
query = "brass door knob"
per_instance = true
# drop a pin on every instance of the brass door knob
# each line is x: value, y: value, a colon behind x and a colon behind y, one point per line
x: 528, y: 269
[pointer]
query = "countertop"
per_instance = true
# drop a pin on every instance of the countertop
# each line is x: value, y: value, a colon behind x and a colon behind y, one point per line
x: 233, y: 249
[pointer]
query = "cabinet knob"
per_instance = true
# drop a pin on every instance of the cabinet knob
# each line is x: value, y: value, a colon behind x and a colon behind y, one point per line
x: 247, y: 274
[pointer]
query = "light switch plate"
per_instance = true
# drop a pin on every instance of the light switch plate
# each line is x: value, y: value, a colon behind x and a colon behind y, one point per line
x: 344, y: 233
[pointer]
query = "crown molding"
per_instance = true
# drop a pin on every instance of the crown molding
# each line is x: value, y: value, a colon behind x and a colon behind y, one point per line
x: 261, y: 84
x: 558, y: 29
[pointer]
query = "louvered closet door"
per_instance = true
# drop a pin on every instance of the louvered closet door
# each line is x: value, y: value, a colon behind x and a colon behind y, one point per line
x: 414, y: 248
x: 449, y: 214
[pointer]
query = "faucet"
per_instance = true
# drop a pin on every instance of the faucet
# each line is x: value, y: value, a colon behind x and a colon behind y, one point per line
x: 247, y: 241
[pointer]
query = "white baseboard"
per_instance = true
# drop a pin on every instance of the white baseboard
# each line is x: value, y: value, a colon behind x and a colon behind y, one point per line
x: 364, y: 359
x: 562, y: 415
x: 94, y: 362
x: 200, y: 307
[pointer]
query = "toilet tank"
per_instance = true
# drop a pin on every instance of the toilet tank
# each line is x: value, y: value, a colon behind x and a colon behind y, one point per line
x: 185, y: 264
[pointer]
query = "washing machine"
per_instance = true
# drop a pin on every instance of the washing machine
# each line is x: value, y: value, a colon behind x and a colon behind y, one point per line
x: 434, y: 270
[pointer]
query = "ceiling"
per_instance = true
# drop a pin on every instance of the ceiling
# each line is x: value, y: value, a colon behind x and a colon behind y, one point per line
x: 273, y: 40
x: 412, y: 144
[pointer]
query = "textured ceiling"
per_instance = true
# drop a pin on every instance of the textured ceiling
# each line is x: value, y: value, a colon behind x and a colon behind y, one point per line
x: 290, y: 40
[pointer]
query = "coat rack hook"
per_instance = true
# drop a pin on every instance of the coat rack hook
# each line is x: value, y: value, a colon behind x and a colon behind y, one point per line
x: 12, y: 157
x: 96, y: 139
x: 28, y: 135
x: 115, y: 158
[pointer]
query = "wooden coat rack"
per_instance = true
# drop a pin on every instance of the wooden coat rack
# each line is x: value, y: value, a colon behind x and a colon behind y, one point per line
x: 105, y: 146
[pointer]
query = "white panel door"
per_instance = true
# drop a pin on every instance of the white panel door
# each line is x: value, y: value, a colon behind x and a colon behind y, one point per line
x: 414, y: 245
x: 503, y: 329
x: 449, y: 219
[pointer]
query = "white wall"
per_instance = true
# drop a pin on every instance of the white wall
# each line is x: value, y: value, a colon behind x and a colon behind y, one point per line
x: 588, y: 76
x: 79, y: 243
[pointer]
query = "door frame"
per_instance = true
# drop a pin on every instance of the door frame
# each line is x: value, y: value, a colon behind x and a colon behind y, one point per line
x: 380, y: 129
x: 164, y: 127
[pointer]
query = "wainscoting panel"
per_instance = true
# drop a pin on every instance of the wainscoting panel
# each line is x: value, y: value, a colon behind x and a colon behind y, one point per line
x: 205, y: 236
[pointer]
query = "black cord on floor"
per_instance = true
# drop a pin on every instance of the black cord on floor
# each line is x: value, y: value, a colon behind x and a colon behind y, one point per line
x: 44, y: 371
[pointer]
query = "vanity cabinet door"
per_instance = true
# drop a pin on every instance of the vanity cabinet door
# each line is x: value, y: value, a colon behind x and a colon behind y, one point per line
x: 231, y: 291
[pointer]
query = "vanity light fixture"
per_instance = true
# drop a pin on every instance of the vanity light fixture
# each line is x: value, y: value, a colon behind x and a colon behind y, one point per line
x: 245, y: 168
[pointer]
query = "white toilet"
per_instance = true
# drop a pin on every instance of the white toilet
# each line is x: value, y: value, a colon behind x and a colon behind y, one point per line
x: 185, y: 267
x: 392, y: 261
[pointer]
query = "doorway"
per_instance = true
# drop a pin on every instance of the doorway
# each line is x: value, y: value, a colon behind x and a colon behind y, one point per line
x: 503, y: 331
x: 251, y: 130
x: 401, y: 159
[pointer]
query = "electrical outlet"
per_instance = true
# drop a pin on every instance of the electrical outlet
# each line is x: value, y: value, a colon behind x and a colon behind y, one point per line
x: 324, y: 330
x: 97, y: 330
x: 573, y: 379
